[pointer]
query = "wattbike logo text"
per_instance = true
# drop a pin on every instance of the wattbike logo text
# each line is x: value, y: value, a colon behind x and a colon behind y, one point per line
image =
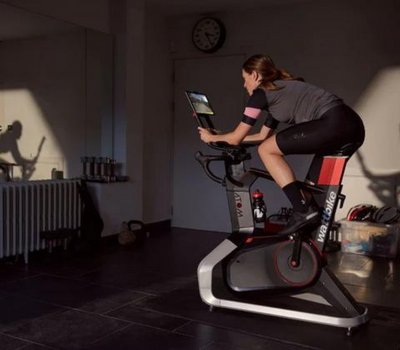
x: 239, y: 205
x: 326, y: 216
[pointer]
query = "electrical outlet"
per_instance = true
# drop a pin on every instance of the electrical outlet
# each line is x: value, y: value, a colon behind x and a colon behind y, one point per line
x: 1, y: 128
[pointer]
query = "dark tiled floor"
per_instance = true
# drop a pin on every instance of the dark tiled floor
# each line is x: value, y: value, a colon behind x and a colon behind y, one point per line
x: 146, y: 297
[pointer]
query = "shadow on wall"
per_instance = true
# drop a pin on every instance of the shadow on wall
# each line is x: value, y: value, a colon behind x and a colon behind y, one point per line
x: 47, y: 83
x: 384, y: 186
x: 378, y: 160
x: 9, y: 144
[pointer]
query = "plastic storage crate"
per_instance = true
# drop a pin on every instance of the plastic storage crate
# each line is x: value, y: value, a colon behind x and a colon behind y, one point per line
x: 367, y: 238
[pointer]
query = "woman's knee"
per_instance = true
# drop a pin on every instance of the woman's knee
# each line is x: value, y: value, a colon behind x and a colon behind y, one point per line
x: 263, y: 149
x: 269, y: 147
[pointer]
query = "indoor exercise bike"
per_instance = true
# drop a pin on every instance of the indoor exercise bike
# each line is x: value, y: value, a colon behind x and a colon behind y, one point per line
x: 250, y: 268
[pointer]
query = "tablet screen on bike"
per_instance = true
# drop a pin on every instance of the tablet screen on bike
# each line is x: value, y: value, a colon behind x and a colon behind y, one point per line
x: 199, y: 103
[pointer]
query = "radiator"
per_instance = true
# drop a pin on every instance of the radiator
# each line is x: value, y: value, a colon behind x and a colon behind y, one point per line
x: 28, y: 208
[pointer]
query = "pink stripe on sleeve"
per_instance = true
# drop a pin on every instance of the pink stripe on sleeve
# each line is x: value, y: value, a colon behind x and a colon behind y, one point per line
x: 252, y: 112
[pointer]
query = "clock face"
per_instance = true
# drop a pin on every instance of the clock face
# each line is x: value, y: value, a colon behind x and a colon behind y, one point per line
x: 208, y: 35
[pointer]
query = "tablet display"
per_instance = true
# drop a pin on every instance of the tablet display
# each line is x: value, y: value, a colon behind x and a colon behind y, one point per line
x: 199, y: 103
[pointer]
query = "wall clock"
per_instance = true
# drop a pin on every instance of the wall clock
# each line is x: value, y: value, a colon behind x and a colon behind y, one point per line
x: 208, y: 34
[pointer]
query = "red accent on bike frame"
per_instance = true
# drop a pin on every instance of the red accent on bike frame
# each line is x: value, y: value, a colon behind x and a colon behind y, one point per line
x: 316, y: 247
x: 293, y: 284
x: 252, y: 239
x: 332, y: 171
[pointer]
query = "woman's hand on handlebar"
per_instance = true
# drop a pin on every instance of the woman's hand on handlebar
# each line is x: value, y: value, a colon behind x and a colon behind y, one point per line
x: 205, y: 135
x: 233, y: 138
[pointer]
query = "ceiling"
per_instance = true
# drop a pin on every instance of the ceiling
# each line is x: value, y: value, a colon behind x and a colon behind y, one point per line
x: 18, y: 23
x: 181, y: 7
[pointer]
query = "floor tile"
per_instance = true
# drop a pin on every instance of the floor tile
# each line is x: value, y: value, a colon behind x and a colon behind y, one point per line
x: 36, y: 347
x: 16, y: 310
x: 70, y: 329
x: 381, y: 280
x: 146, y: 297
x: 238, y: 340
x: 375, y: 296
x: 66, y: 268
x: 220, y: 346
x: 339, y: 260
x: 188, y: 305
x: 101, y: 299
x: 47, y: 288
x: 74, y: 293
x: 138, y: 280
x: 149, y: 318
x: 9, y: 274
x: 9, y: 343
x: 139, y: 337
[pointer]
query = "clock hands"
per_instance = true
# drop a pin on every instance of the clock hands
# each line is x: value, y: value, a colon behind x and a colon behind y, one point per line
x: 208, y: 35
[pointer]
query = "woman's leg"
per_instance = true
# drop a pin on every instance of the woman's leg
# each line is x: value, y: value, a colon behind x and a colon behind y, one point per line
x: 338, y: 127
x: 282, y: 173
x: 272, y: 157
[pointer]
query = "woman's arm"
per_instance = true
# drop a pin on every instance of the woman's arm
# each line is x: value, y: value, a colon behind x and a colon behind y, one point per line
x: 264, y: 133
x: 255, y: 105
x: 233, y: 138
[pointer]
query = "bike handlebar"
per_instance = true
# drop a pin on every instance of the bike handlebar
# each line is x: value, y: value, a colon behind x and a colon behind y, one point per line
x: 205, y: 163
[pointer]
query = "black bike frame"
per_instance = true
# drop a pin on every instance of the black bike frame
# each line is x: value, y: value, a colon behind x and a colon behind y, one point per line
x: 324, y: 182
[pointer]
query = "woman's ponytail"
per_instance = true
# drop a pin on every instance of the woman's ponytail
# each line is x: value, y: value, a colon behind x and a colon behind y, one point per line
x: 265, y: 67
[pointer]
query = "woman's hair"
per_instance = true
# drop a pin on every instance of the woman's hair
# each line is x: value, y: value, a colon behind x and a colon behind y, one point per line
x: 263, y: 65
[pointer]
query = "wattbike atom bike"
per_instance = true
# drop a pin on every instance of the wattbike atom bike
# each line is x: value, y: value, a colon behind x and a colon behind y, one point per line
x: 271, y: 274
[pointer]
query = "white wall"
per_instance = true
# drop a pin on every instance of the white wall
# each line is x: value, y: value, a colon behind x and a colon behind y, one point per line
x: 92, y: 14
x: 339, y: 45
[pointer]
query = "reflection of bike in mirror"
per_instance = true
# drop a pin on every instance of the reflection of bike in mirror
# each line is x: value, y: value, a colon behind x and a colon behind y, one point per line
x: 271, y: 274
x: 29, y: 166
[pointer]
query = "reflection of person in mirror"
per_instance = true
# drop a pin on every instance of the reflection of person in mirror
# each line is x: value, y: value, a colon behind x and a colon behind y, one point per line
x: 9, y: 143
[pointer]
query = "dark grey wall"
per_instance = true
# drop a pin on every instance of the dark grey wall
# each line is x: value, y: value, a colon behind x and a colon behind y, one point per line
x: 346, y: 47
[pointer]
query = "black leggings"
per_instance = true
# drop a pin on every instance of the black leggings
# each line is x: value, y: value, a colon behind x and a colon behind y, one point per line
x: 336, y: 128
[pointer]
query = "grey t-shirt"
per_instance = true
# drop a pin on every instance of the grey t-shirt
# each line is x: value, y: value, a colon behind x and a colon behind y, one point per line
x: 295, y: 103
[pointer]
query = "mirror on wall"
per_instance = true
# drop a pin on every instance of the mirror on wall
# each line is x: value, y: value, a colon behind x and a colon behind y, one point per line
x: 55, y: 95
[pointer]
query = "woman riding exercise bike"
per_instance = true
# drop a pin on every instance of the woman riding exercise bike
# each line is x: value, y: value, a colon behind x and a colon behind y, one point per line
x: 320, y: 124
